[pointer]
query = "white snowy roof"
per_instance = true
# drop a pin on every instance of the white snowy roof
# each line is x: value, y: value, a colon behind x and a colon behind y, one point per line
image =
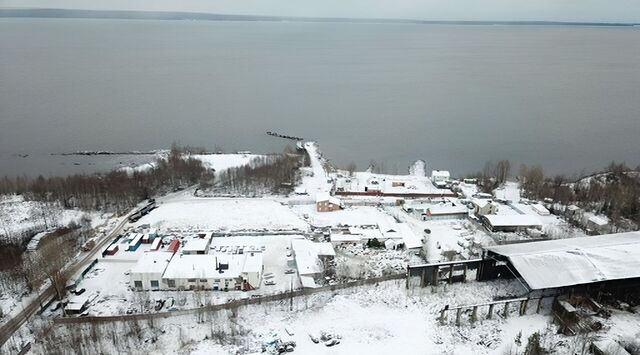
x: 306, y: 254
x: 440, y: 173
x: 480, y: 202
x: 447, y: 210
x: 575, y: 261
x: 252, y: 262
x: 76, y: 303
x: 324, y: 196
x: 345, y: 238
x: 152, y: 262
x: 325, y: 249
x: 308, y: 282
x: 196, y: 244
x: 540, y: 209
x: 203, y: 266
x: 516, y: 220
x: 367, y: 233
x: 600, y: 221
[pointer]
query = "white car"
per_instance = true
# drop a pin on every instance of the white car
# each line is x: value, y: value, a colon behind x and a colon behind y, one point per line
x: 269, y: 283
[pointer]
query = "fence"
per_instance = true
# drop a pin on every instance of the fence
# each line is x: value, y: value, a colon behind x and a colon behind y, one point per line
x: 522, y: 304
x: 232, y: 304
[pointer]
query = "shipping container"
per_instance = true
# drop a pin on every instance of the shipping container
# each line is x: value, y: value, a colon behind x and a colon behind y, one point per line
x: 135, y: 243
x: 156, y: 244
x: 112, y: 249
x: 174, y: 246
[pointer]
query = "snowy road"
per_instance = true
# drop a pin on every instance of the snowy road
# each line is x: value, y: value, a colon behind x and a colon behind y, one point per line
x: 318, y: 182
x: 13, y: 324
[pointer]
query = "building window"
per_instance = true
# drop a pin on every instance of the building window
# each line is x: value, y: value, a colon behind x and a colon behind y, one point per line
x: 203, y: 280
x: 155, y: 284
x: 137, y: 284
x: 191, y: 280
x: 171, y: 283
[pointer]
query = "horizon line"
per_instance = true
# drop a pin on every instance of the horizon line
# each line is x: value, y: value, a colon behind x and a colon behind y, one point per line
x: 206, y: 16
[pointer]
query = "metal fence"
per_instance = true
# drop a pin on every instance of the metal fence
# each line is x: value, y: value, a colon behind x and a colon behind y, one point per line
x: 232, y: 304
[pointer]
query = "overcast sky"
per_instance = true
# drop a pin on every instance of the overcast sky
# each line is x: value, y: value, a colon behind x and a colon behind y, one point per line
x: 545, y: 10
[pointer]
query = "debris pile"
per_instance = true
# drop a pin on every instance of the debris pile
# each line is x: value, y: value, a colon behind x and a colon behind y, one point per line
x: 327, y: 338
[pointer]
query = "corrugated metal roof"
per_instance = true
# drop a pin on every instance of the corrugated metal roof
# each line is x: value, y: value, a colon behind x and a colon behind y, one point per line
x: 575, y: 261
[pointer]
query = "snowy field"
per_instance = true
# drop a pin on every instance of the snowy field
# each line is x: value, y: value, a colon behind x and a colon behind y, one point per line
x: 221, y: 214
x: 379, y: 319
x: 217, y: 162
x: 221, y: 162
x: 18, y: 215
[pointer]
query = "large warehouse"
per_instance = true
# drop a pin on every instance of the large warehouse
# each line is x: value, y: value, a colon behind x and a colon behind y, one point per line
x: 568, y: 262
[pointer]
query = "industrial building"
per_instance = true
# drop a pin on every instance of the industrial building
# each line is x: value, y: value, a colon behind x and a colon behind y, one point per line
x: 148, y: 271
x: 606, y: 260
x: 511, y: 223
x: 213, y: 272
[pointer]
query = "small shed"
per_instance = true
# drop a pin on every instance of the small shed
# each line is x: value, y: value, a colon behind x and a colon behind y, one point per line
x: 327, y: 203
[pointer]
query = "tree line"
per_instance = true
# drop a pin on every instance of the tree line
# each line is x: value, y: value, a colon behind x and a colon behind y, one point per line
x: 269, y: 174
x: 614, y: 192
x: 114, y: 191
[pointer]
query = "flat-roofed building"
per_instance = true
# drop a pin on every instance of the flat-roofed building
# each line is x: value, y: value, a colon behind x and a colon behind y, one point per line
x: 148, y: 271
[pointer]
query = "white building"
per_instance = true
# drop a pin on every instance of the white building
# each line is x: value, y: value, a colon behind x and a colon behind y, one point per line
x: 598, y: 224
x: 252, y: 270
x: 511, y: 223
x: 447, y: 211
x: 311, y: 257
x: 198, y: 244
x: 401, y: 233
x: 147, y: 273
x: 213, y: 272
x: 540, y: 209
x: 440, y: 175
x: 483, y: 207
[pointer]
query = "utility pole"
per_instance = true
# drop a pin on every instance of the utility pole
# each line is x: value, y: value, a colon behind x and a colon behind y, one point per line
x: 290, y: 293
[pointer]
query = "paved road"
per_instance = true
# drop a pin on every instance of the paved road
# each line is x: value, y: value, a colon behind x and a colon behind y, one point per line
x: 13, y: 324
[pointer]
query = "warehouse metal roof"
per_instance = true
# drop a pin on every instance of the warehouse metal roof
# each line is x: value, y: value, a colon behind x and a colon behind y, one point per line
x: 575, y: 261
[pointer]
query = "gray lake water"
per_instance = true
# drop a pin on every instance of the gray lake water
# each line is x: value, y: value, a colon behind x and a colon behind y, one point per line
x: 567, y: 98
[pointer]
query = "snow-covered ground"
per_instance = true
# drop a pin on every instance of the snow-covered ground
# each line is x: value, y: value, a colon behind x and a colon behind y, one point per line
x: 380, y: 319
x: 221, y: 162
x: 510, y: 191
x: 18, y: 215
x: 350, y: 216
x: 314, y: 177
x: 223, y: 214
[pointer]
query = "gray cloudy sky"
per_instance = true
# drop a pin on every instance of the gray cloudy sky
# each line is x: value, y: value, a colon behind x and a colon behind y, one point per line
x: 546, y: 10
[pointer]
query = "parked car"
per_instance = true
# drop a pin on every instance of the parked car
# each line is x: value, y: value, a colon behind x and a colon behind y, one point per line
x: 269, y: 283
x: 79, y: 292
x: 290, y: 271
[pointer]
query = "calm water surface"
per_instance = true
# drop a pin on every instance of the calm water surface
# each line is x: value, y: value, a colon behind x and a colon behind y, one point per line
x: 456, y: 96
